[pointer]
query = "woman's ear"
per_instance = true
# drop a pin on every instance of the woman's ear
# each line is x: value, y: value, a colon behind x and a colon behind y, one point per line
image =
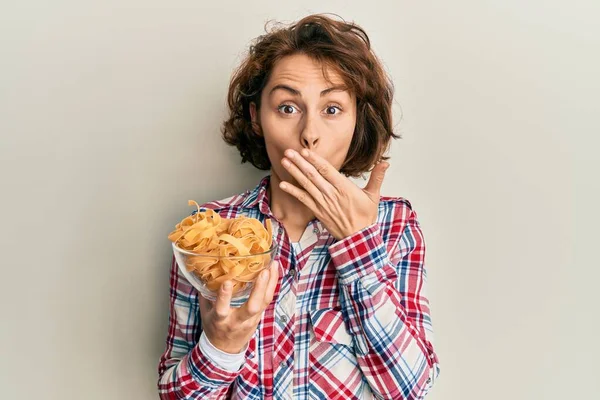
x: 254, y: 119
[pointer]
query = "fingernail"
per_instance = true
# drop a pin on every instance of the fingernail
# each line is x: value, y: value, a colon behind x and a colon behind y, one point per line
x: 264, y: 275
x: 227, y: 285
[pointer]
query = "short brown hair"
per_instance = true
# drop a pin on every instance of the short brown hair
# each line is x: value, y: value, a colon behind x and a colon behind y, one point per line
x: 346, y: 48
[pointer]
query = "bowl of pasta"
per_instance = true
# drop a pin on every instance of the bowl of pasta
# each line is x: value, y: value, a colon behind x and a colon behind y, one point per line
x: 210, y: 249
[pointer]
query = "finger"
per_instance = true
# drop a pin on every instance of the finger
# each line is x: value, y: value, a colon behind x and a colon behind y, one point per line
x: 222, y: 305
x: 307, y: 176
x: 325, y: 169
x: 254, y: 304
x: 273, y: 280
x: 303, y: 196
x: 376, y: 179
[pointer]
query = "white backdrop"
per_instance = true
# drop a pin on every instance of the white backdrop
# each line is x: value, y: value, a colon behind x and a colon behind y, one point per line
x: 109, y: 122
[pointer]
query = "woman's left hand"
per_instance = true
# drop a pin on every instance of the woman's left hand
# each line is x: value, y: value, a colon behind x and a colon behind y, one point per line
x: 341, y: 206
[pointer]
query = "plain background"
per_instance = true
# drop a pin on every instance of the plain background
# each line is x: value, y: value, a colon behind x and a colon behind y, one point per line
x: 109, y: 121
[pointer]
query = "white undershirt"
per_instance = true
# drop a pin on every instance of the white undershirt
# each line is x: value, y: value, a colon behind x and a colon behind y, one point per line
x: 228, y: 361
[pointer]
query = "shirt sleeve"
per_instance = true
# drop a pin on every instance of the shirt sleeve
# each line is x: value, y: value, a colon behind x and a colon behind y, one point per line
x: 185, y: 370
x: 383, y: 297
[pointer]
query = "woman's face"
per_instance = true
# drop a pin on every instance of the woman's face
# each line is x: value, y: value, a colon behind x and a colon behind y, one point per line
x: 300, y: 109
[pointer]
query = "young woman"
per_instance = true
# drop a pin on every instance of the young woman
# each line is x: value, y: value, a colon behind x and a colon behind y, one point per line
x: 343, y: 312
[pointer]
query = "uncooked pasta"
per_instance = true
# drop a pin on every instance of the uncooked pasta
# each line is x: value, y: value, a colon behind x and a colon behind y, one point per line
x: 223, y: 249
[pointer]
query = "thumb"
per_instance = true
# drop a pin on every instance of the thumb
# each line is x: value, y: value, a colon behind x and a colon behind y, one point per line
x: 376, y: 178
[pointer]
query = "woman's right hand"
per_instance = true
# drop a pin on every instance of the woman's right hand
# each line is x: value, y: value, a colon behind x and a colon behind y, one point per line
x: 229, y: 328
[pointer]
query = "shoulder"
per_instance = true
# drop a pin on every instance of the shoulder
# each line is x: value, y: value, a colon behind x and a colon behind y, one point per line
x: 400, y: 227
x: 228, y: 207
x: 396, y: 207
x: 234, y: 201
x: 396, y: 217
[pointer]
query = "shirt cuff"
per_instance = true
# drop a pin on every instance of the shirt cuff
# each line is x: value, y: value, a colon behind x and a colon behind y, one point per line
x: 359, y: 254
x: 228, y: 361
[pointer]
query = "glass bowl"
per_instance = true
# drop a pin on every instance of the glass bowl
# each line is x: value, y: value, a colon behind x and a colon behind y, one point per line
x: 208, y: 287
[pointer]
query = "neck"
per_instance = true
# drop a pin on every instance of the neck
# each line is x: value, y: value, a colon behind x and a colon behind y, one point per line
x: 285, y: 207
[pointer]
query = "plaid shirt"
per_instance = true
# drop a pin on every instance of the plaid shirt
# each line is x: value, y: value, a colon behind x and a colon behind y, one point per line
x: 350, y: 318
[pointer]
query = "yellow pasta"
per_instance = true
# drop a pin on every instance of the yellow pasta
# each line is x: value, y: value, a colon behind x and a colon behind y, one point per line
x: 217, y: 241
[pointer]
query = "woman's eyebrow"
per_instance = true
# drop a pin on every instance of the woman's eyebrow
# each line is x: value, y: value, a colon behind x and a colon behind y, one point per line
x: 296, y: 92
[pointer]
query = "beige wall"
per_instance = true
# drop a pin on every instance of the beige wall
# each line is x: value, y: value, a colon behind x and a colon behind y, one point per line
x: 109, y: 123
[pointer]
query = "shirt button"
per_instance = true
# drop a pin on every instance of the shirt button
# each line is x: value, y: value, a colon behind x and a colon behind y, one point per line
x: 282, y: 319
x: 292, y: 272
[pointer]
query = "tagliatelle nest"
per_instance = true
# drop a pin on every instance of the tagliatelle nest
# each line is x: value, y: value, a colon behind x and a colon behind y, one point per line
x: 214, y: 240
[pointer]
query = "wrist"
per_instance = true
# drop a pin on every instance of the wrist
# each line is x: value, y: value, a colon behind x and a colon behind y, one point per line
x: 221, y: 359
x: 225, y: 346
x: 354, y: 231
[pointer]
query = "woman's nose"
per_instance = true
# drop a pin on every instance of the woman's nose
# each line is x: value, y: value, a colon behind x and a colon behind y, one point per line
x: 310, y: 133
x: 310, y: 142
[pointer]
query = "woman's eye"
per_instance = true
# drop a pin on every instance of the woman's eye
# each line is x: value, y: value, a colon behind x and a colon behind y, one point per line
x: 332, y: 108
x: 286, y: 108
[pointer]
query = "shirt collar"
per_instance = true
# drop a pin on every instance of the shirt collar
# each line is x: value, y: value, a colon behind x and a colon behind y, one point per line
x: 258, y: 197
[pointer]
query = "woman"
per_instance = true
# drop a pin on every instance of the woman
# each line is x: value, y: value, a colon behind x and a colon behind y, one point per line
x: 342, y: 314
